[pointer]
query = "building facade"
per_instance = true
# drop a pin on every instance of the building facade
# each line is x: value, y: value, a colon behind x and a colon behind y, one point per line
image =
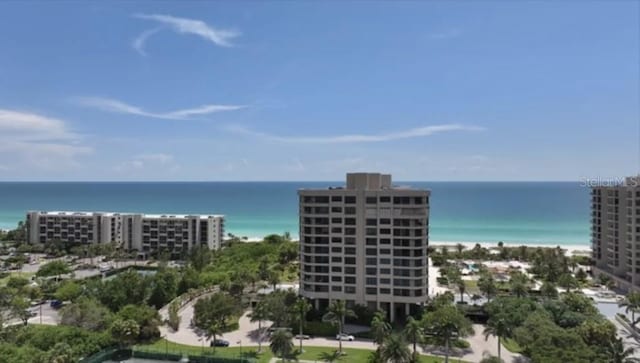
x: 615, y: 232
x: 133, y: 231
x: 365, y: 243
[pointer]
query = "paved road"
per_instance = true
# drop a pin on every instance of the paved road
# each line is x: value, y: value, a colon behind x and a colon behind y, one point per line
x: 248, y: 335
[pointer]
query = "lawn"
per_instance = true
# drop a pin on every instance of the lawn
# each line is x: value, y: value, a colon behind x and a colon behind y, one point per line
x: 310, y: 353
x: 27, y: 275
x: 511, y: 345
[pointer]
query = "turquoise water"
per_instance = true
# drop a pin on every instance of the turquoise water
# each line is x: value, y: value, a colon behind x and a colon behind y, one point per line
x: 513, y: 212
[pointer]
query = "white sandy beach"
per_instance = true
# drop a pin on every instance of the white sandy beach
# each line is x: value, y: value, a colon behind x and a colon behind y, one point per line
x: 570, y: 249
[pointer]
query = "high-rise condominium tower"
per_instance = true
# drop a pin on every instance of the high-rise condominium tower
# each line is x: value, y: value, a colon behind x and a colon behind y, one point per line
x: 615, y: 232
x: 365, y: 243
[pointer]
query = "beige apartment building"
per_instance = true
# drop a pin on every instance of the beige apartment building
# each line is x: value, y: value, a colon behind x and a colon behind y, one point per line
x: 615, y: 232
x: 365, y: 243
x: 145, y: 233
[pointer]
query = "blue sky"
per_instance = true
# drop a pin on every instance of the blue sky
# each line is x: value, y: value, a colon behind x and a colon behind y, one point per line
x: 308, y: 91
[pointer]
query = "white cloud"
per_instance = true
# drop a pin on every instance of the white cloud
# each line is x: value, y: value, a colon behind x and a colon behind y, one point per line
x: 158, y: 161
x: 116, y: 106
x: 220, y: 37
x: 359, y: 138
x: 139, y: 41
x: 42, y: 141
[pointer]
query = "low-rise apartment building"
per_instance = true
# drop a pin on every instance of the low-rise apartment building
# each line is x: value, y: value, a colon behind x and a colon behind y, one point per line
x: 147, y: 233
x: 615, y: 232
x: 365, y: 243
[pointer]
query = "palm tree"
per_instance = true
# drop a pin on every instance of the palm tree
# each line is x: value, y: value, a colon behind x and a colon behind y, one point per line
x: 498, y: 327
x: 259, y: 313
x: 459, y: 248
x: 619, y: 354
x: 413, y: 331
x: 548, y: 290
x: 281, y: 344
x: 330, y: 357
x: 301, y: 308
x: 518, y: 284
x: 212, y: 332
x: 336, y: 313
x: 380, y: 328
x: 487, y: 285
x: 631, y: 303
x: 394, y: 350
x: 446, y: 323
x: 462, y: 288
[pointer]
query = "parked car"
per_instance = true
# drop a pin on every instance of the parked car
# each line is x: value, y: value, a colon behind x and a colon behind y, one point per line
x: 344, y: 336
x: 55, y: 304
x: 302, y: 336
x: 219, y: 343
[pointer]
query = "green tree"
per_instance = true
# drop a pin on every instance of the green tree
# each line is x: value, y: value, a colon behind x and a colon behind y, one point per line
x: 190, y: 279
x: 281, y: 344
x: 617, y: 353
x: 53, y: 268
x: 263, y: 268
x: 260, y: 313
x: 500, y: 327
x: 567, y: 281
x: 20, y: 308
x: 549, y: 290
x: 146, y: 317
x: 212, y: 332
x: 459, y: 249
x: 199, y: 257
x: 631, y: 303
x: 278, y: 306
x: 124, y: 332
x: 218, y: 308
x: 413, y: 332
x: 336, y: 313
x: 487, y: 285
x: 380, y: 328
x: 581, y: 276
x: 61, y: 353
x: 164, y: 287
x: 68, y: 291
x: 518, y: 284
x: 446, y: 323
x: 174, y: 316
x: 274, y: 278
x: 300, y: 309
x: 86, y: 313
x: 394, y: 350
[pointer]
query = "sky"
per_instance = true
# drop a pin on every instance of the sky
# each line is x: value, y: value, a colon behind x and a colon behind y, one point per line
x: 205, y: 91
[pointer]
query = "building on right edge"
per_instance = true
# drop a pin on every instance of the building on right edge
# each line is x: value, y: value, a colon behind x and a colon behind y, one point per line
x: 365, y: 243
x: 615, y: 232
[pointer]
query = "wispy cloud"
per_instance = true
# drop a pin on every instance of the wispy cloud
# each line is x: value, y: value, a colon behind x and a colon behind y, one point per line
x: 39, y: 140
x: 116, y: 106
x: 139, y: 41
x: 161, y: 161
x: 359, y: 138
x: 446, y: 34
x: 220, y: 37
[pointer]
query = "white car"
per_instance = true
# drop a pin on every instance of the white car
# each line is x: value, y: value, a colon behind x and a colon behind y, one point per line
x: 344, y: 336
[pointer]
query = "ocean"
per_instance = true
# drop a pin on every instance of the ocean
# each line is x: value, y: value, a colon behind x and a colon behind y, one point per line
x: 549, y: 213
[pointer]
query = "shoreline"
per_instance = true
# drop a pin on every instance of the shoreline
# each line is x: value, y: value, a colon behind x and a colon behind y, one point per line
x: 571, y: 249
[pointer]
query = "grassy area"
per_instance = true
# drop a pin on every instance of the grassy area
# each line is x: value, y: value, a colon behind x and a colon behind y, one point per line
x: 310, y: 353
x: 511, y: 345
x: 471, y: 286
x: 4, y: 280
